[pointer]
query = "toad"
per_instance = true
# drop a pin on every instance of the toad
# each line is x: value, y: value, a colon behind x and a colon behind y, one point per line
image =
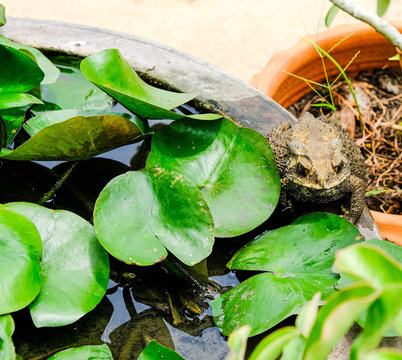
x: 318, y: 162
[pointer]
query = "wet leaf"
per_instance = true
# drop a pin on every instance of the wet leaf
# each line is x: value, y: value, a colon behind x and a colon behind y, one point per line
x: 8, y: 101
x: 140, y: 213
x: 233, y: 167
x: 18, y: 72
x: 155, y: 351
x: 89, y: 352
x: 72, y: 91
x: 20, y: 271
x: 237, y: 343
x: 45, y: 119
x: 113, y: 74
x: 51, y: 73
x: 299, y: 257
x: 75, y: 266
x: 7, y: 351
x: 78, y: 138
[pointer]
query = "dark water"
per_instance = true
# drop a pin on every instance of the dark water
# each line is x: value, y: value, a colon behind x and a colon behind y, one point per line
x: 141, y: 303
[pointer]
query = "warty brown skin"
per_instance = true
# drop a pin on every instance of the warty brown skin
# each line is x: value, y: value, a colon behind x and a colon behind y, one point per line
x: 319, y: 162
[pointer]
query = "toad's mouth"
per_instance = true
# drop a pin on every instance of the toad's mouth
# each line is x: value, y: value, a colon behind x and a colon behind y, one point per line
x: 317, y: 185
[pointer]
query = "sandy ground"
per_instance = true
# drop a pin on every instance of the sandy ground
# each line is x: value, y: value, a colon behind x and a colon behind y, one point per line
x: 236, y: 35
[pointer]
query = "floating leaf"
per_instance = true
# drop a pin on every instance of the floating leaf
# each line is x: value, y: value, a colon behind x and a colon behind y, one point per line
x: 45, y: 119
x: 233, y: 167
x: 20, y: 270
x: 18, y: 72
x: 155, y: 351
x: 79, y: 138
x: 113, y: 74
x: 75, y: 266
x: 2, y: 15
x: 299, y: 257
x: 72, y: 91
x: 8, y: 101
x: 13, y: 119
x: 140, y: 213
x: 7, y: 351
x: 89, y: 352
x: 51, y: 73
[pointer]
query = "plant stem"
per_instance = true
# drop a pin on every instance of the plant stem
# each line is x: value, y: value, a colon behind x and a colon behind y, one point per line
x: 369, y: 17
x: 58, y: 184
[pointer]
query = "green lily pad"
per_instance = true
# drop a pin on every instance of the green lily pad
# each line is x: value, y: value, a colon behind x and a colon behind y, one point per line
x: 156, y: 351
x: 7, y: 351
x: 51, y: 73
x: 45, y: 119
x: 109, y: 71
x: 8, y: 101
x: 20, y: 270
x: 233, y: 167
x: 89, y: 352
x: 75, y: 266
x: 140, y: 213
x: 72, y: 91
x: 299, y: 258
x: 18, y: 72
x: 78, y: 138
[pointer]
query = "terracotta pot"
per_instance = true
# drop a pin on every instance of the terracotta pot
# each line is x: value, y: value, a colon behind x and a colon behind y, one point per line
x: 303, y: 60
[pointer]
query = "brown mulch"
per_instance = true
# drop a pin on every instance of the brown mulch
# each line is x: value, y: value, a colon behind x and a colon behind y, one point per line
x: 379, y: 133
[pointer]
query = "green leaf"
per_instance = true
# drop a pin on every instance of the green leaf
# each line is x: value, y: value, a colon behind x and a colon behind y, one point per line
x: 89, y: 352
x: 272, y: 345
x: 381, y: 315
x: 8, y: 101
x: 140, y: 213
x: 395, y: 58
x: 264, y: 300
x: 331, y: 14
x: 7, y: 351
x: 72, y: 91
x: 113, y: 74
x: 155, y: 351
x: 294, y: 349
x: 51, y: 73
x: 300, y: 266
x: 2, y: 15
x: 20, y: 271
x: 13, y: 119
x: 233, y: 167
x: 45, y: 119
x: 384, y: 354
x: 18, y: 72
x: 336, y: 317
x: 75, y: 266
x: 78, y: 138
x: 308, y: 315
x: 237, y: 343
x: 311, y: 242
x: 382, y: 7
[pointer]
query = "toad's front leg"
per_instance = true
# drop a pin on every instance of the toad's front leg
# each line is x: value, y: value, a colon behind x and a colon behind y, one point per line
x: 357, y: 189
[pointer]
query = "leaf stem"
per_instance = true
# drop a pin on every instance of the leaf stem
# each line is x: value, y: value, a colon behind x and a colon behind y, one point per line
x: 58, y: 184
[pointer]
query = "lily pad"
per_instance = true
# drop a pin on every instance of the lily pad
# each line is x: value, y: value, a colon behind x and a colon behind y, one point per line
x: 233, y: 167
x: 72, y: 91
x: 7, y: 351
x: 89, y: 352
x: 8, y: 101
x: 78, y: 138
x: 18, y: 72
x: 140, y: 213
x: 45, y: 119
x: 156, y: 351
x: 51, y: 73
x: 20, y: 270
x: 109, y: 71
x: 298, y: 257
x: 75, y: 266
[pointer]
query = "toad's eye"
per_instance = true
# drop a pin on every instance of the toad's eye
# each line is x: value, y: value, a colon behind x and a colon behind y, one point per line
x: 301, y: 170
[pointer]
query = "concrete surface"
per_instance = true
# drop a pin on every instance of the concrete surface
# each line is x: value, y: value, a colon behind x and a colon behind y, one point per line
x: 237, y: 35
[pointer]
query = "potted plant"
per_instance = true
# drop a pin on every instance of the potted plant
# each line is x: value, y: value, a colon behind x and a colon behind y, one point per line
x: 278, y: 80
